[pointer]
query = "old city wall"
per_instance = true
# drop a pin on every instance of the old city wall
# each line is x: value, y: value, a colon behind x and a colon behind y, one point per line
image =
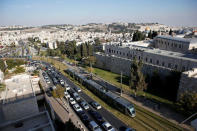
x: 117, y: 64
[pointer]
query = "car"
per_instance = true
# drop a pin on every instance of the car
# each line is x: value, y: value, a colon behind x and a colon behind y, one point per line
x: 107, y: 126
x: 77, y: 108
x: 67, y: 95
x: 123, y: 128
x: 94, y: 126
x: 85, y: 105
x: 77, y: 89
x: 67, y: 87
x: 97, y: 116
x: 48, y: 81
x: 96, y: 105
x: 61, y: 82
x: 72, y: 101
x: 76, y: 96
x: 85, y: 118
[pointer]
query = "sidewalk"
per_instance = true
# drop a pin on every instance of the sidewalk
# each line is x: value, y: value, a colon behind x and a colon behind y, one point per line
x: 63, y: 110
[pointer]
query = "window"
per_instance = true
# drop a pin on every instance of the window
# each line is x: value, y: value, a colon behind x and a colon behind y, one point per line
x: 120, y: 53
x: 180, y: 46
x: 169, y: 65
x: 163, y: 64
x: 157, y: 62
x: 183, y: 68
x: 176, y: 66
x: 117, y: 52
x: 150, y: 60
x: 146, y: 59
x: 139, y: 57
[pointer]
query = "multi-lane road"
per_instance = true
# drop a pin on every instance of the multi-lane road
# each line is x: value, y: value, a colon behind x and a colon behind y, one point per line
x: 116, y: 123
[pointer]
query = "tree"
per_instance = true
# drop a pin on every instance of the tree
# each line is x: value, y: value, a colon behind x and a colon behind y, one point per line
x: 170, y: 32
x: 137, y: 79
x: 58, y: 92
x: 154, y: 34
x: 137, y: 36
x: 150, y: 34
x: 188, y: 101
x: 84, y: 50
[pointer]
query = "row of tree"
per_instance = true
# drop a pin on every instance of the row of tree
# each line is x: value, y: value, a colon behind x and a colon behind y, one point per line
x: 71, y: 50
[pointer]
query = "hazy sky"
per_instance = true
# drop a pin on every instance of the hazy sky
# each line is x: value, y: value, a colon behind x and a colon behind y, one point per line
x: 41, y: 12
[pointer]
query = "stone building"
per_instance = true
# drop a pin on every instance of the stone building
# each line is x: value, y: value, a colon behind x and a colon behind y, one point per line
x: 175, y: 44
x: 188, y: 82
x: 162, y: 58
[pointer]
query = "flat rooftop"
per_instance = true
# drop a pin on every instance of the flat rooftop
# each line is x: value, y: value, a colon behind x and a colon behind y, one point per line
x: 19, y: 86
x: 185, y: 56
x: 40, y: 121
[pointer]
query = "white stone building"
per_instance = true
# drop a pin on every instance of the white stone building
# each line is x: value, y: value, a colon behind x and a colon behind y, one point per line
x: 175, y: 44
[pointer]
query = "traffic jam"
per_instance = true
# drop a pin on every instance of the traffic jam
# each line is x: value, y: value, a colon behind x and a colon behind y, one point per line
x: 87, y: 111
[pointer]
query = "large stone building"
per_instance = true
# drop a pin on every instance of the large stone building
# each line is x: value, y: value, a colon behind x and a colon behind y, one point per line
x: 167, y: 59
x: 163, y: 59
x: 175, y: 44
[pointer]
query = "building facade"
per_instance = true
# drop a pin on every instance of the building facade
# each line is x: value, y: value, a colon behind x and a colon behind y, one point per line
x: 162, y: 58
x: 175, y: 44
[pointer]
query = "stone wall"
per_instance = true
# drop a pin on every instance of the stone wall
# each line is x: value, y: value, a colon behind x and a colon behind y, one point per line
x: 117, y: 64
x: 188, y: 82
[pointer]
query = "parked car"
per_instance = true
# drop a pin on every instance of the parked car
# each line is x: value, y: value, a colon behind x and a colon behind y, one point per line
x: 72, y: 101
x: 67, y: 95
x: 94, y: 126
x: 77, y: 108
x: 107, y: 126
x: 96, y: 105
x: 76, y: 96
x: 84, y: 105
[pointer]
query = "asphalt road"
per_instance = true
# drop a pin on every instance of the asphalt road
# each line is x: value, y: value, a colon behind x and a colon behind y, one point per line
x: 116, y: 123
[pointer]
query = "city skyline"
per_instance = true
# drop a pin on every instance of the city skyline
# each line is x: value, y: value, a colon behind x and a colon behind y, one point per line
x: 34, y: 13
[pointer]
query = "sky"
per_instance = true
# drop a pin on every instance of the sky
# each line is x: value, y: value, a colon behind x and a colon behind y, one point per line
x: 44, y: 12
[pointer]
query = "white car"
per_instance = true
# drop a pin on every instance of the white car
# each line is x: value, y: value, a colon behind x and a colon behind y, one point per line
x: 77, y: 108
x: 66, y: 95
x: 72, y: 101
x: 61, y: 82
x: 107, y: 126
x: 67, y: 87
x: 85, y: 105
x: 96, y: 105
x: 48, y: 81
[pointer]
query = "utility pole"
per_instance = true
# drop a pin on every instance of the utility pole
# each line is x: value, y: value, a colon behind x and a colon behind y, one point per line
x: 121, y: 83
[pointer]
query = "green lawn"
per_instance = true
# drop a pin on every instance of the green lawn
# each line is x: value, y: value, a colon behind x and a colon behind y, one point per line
x: 115, y: 80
